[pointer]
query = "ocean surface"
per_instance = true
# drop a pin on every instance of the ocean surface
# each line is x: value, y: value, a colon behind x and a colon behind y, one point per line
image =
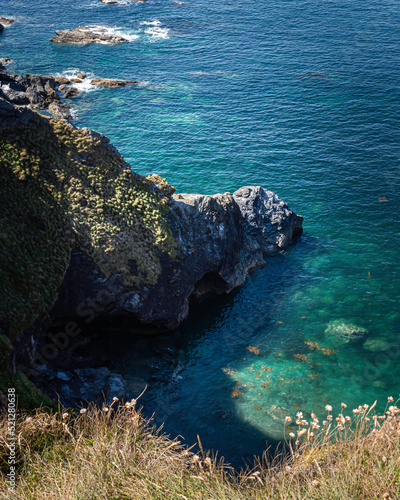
x: 303, y: 98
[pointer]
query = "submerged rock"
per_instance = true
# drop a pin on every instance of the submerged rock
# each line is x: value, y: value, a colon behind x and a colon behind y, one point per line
x: 103, y: 82
x: 278, y: 413
x: 343, y: 332
x: 84, y: 35
x: 376, y: 345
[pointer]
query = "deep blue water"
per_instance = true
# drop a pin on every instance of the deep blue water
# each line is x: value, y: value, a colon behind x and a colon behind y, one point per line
x: 303, y: 98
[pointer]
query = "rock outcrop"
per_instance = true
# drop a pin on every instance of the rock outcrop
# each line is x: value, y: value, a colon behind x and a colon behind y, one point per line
x: 5, y: 20
x: 84, y: 35
x: 37, y: 91
x: 47, y: 92
x: 220, y: 238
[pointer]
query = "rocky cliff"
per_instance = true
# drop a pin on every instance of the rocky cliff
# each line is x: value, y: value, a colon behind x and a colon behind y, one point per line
x: 84, y: 237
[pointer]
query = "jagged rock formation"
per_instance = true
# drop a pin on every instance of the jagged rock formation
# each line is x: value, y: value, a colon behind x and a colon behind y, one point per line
x: 38, y: 91
x: 84, y: 35
x: 46, y: 92
x: 216, y: 248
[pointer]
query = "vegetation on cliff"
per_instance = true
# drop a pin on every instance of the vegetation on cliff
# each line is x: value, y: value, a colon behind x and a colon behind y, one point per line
x: 61, y: 188
x: 113, y: 453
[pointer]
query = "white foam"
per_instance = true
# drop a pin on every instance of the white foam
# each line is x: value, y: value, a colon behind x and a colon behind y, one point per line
x: 144, y: 83
x: 157, y: 32
x: 156, y: 22
x: 85, y: 85
x: 116, y: 31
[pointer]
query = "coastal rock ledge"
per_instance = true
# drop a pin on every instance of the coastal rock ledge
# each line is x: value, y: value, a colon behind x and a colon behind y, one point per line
x: 221, y: 238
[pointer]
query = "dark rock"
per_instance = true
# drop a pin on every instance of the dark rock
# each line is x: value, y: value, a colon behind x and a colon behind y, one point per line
x: 80, y: 386
x: 103, y: 82
x: 62, y: 88
x: 12, y: 115
x: 1, y: 28
x: 14, y: 96
x: 15, y: 85
x: 84, y: 35
x: 6, y: 60
x: 60, y: 110
x: 36, y: 100
x: 268, y: 219
x: 71, y: 92
x: 4, y: 75
x: 81, y: 76
x: 76, y: 80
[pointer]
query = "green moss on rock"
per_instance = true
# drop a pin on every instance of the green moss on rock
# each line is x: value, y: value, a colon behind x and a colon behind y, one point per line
x: 60, y: 189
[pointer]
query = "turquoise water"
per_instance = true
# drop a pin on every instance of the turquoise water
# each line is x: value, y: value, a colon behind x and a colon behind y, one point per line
x: 303, y: 98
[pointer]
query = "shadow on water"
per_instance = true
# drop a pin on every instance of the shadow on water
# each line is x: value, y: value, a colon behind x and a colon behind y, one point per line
x: 190, y: 391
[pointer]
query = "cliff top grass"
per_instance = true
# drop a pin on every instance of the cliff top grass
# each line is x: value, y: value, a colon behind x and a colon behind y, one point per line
x: 62, y: 189
x: 114, y: 453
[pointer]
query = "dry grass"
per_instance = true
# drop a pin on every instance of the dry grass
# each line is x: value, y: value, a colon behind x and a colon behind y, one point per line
x: 114, y: 453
